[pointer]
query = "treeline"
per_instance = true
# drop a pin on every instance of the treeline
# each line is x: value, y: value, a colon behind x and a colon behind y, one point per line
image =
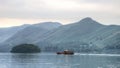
x: 76, y: 46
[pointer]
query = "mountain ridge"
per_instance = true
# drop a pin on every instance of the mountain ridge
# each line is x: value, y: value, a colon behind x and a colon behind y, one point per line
x: 86, y: 35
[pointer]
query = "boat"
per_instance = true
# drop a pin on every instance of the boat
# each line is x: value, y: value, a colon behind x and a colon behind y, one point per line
x: 66, y: 52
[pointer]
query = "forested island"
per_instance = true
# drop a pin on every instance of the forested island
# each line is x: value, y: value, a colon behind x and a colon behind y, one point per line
x: 25, y: 48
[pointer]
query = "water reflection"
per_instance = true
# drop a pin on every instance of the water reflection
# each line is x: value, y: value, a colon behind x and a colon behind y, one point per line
x: 58, y: 61
x: 64, y: 61
x: 24, y: 61
x: 113, y: 62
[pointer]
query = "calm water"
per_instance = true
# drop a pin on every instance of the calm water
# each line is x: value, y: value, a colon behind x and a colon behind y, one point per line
x: 48, y: 60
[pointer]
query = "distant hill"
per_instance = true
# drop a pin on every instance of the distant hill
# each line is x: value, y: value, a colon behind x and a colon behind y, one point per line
x: 86, y: 35
x: 103, y: 35
x: 29, y: 34
x: 6, y: 33
x: 73, y: 32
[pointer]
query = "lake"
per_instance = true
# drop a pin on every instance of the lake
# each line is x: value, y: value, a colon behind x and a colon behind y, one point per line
x: 50, y: 60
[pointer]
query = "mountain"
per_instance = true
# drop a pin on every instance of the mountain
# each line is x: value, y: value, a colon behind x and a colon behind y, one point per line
x: 71, y: 35
x: 112, y: 44
x: 6, y: 33
x: 48, y: 25
x: 29, y: 34
x: 101, y: 36
x: 86, y: 35
x: 72, y: 32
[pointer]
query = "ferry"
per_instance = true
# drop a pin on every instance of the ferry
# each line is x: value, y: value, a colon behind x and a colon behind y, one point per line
x: 66, y: 52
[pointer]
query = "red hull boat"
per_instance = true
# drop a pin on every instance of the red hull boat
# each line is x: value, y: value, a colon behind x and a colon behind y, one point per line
x: 66, y: 52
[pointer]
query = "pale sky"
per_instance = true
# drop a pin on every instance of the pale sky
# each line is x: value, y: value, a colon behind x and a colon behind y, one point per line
x: 18, y: 12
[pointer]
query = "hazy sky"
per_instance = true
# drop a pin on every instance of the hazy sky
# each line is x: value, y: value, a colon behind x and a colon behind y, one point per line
x: 17, y: 12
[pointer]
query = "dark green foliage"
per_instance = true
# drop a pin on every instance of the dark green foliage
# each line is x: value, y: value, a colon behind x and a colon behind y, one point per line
x: 25, y: 48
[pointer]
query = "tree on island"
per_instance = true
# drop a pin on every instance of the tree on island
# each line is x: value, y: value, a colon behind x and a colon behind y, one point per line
x: 26, y: 48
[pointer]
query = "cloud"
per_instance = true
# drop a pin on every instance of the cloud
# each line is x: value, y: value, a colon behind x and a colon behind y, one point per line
x: 61, y: 10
